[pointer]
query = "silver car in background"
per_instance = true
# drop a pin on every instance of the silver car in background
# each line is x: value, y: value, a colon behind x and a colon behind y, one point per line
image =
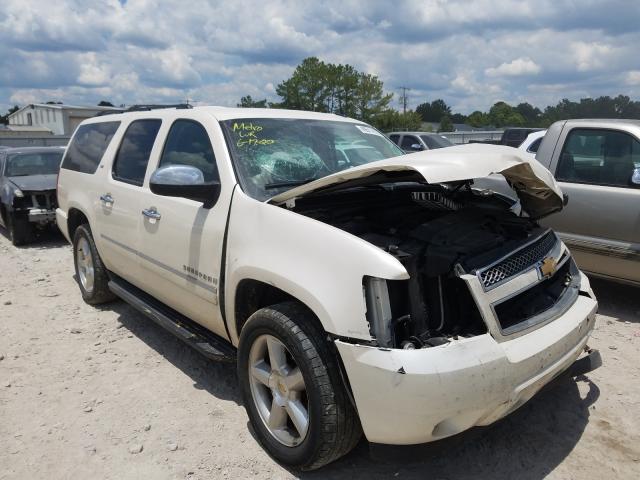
x: 411, y: 142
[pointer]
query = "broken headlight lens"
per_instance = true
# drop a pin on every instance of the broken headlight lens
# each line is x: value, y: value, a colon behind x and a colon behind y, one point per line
x: 376, y: 295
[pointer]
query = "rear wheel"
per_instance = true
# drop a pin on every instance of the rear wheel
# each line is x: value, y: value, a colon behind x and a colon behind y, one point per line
x: 91, y: 273
x: 19, y: 229
x: 292, y: 389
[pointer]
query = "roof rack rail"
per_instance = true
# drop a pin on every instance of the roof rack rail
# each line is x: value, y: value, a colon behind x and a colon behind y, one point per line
x: 143, y: 108
x: 146, y: 107
x: 109, y: 112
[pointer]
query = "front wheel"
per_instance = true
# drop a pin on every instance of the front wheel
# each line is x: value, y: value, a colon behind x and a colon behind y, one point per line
x: 19, y: 229
x: 292, y: 389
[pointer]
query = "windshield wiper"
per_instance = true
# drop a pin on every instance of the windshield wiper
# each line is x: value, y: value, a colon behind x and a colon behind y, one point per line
x: 292, y: 183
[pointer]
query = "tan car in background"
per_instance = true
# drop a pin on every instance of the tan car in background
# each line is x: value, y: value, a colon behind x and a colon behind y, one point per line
x: 596, y: 163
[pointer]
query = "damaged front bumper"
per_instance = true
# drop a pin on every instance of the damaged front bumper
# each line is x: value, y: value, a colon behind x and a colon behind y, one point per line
x: 41, y: 216
x: 414, y: 396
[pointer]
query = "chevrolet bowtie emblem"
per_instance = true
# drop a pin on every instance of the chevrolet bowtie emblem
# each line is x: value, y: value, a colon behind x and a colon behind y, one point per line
x: 548, y: 266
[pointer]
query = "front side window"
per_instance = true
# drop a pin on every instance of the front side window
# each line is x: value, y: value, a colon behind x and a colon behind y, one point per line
x: 188, y: 144
x: 272, y: 155
x: 25, y: 164
x: 130, y: 164
x: 409, y: 140
x: 88, y: 146
x: 599, y: 157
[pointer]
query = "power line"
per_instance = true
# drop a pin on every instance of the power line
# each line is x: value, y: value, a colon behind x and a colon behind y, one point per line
x: 404, y: 98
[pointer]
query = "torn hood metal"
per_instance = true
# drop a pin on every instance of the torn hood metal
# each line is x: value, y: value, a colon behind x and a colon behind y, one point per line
x: 535, y: 186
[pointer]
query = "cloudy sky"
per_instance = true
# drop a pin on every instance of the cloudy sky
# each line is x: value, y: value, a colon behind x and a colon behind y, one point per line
x: 472, y: 54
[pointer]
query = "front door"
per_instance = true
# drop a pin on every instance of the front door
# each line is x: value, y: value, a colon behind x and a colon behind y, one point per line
x: 601, y: 222
x: 181, y: 241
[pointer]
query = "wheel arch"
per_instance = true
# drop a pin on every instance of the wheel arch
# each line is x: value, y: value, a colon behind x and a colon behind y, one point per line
x: 251, y: 295
x: 76, y: 217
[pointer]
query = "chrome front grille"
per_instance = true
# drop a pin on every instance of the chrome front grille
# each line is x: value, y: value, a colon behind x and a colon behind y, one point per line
x: 517, y: 262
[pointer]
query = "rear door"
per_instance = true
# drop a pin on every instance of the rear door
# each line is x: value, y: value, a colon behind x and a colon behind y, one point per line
x: 181, y: 243
x: 601, y: 223
x: 118, y: 209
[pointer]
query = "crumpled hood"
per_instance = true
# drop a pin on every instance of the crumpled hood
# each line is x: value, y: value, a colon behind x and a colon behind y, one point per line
x: 34, y: 183
x: 535, y: 186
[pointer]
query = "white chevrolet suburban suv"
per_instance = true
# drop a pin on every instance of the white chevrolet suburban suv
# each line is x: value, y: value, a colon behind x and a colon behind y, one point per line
x: 357, y: 288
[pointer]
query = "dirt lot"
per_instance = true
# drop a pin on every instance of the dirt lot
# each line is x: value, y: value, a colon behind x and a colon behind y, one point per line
x: 83, y: 389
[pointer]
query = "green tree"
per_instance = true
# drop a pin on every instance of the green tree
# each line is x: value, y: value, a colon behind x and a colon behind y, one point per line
x: 478, y: 119
x: 446, y: 125
x: 502, y: 114
x: 434, y: 111
x: 104, y: 103
x: 390, y: 120
x: 532, y: 115
x: 4, y: 119
x: 458, y: 118
x: 308, y: 88
x: 248, y: 102
x: 370, y: 99
x: 326, y: 87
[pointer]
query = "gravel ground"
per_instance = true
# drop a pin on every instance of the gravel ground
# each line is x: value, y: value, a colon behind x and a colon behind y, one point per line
x: 103, y: 393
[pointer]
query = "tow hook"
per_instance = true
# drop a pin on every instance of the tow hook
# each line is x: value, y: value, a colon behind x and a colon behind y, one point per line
x: 586, y: 364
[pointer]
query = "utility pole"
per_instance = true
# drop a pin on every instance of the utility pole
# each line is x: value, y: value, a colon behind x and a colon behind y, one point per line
x: 404, y: 98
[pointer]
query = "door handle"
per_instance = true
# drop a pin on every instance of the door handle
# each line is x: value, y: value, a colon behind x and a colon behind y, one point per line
x: 107, y: 199
x: 151, y: 213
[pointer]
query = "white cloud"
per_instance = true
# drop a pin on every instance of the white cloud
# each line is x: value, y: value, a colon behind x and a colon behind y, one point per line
x: 515, y: 68
x: 633, y: 77
x: 91, y: 71
x: 591, y: 55
x: 469, y: 53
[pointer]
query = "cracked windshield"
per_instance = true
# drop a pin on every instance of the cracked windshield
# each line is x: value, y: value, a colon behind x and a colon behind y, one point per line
x: 274, y: 155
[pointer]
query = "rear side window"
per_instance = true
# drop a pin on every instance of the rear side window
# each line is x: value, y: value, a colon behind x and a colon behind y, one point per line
x: 88, y: 146
x: 188, y: 144
x: 533, y: 148
x: 132, y: 158
x: 394, y: 138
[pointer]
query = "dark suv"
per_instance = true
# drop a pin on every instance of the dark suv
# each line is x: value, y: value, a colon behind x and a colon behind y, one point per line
x: 28, y: 189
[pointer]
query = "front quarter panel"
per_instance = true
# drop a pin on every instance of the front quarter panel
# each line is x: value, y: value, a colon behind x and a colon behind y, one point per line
x: 318, y: 264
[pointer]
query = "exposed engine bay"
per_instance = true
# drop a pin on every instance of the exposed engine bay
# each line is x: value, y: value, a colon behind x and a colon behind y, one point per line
x: 436, y: 232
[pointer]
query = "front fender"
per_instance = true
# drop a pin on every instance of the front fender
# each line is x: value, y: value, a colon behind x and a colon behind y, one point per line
x: 320, y: 265
x: 7, y: 194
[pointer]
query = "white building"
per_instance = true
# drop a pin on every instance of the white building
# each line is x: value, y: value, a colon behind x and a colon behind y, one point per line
x: 60, y: 119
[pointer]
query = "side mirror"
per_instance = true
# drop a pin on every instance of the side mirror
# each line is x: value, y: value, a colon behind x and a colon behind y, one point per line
x: 417, y: 147
x: 186, y: 182
x: 635, y: 177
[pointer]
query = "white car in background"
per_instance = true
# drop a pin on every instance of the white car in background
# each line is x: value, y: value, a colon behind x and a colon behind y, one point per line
x: 532, y: 142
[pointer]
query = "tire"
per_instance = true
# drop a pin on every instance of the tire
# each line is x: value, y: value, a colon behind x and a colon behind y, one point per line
x: 91, y: 274
x: 333, y: 427
x: 19, y: 229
